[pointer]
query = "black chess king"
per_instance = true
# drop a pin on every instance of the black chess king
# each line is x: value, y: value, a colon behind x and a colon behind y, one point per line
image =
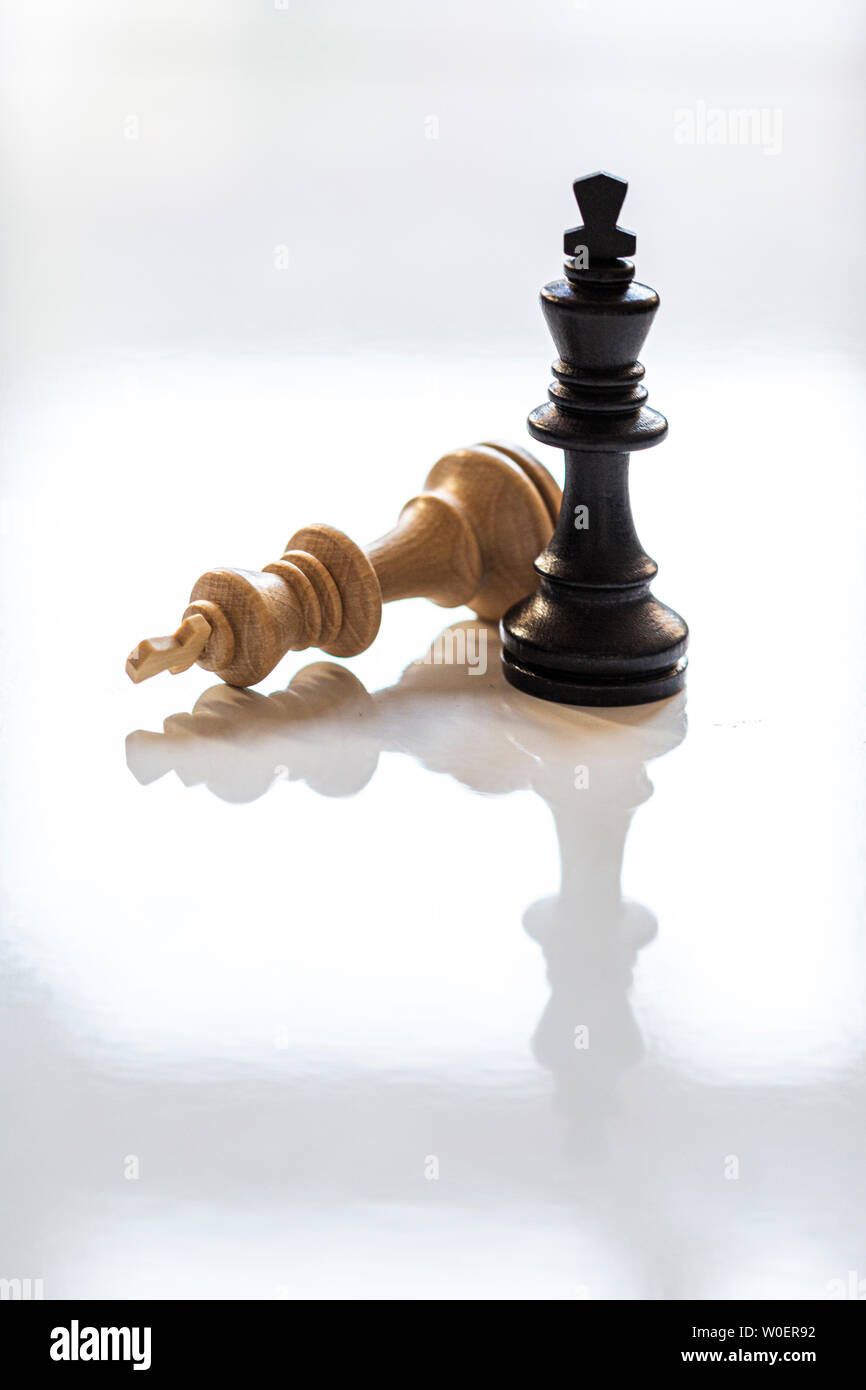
x: 592, y: 633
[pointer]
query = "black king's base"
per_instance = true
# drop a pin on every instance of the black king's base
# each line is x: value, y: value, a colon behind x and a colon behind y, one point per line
x: 592, y: 633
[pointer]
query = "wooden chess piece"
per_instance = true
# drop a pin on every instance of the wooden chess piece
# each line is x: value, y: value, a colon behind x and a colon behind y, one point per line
x: 469, y: 538
x: 592, y: 633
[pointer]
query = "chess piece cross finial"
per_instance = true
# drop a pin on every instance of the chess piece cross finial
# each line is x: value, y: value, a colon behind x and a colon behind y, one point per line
x: 600, y: 198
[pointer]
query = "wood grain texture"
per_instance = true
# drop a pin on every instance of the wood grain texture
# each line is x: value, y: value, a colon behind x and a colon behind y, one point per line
x: 469, y: 538
x: 432, y: 553
x: 550, y: 491
x: 507, y: 515
x: 356, y: 583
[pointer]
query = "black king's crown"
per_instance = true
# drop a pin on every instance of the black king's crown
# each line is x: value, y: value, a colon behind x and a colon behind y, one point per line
x: 592, y: 633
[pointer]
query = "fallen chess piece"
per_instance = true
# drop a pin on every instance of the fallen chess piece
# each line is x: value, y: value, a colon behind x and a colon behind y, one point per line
x: 470, y: 538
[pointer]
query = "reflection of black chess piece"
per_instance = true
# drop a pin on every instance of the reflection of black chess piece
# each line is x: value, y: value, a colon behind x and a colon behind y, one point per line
x: 592, y: 633
x: 589, y: 933
x: 327, y: 730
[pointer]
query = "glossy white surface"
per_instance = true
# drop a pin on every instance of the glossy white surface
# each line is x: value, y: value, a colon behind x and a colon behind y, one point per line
x: 287, y: 950
x: 262, y: 264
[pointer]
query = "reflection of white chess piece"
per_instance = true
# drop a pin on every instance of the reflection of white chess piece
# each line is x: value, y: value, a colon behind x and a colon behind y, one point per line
x: 328, y: 731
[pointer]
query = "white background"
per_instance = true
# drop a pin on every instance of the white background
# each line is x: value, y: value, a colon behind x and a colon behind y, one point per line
x: 283, y: 966
x: 306, y: 127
